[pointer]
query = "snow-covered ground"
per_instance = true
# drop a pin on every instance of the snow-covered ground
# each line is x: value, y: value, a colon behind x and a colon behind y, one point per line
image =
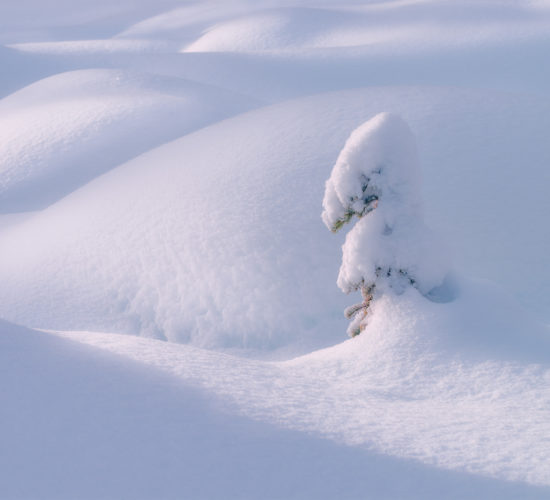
x: 172, y: 327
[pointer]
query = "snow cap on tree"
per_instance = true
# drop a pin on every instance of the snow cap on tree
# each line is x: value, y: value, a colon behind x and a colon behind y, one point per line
x: 377, y: 178
x: 380, y: 156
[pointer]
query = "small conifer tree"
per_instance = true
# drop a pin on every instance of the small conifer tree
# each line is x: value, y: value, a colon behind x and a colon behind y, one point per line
x: 377, y: 179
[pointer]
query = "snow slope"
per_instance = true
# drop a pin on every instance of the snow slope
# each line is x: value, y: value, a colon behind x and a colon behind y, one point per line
x: 62, y: 131
x: 378, y: 26
x: 315, y: 46
x: 215, y: 241
x: 77, y: 422
x: 453, y: 385
x: 225, y: 247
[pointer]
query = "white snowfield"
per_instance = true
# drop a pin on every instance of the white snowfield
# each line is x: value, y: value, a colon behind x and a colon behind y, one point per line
x: 171, y: 321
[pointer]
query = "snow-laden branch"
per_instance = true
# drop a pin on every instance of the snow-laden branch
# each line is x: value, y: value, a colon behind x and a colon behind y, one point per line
x: 377, y: 178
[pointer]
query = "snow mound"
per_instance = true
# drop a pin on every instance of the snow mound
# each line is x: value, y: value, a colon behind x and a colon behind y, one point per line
x: 223, y: 246
x: 269, y: 29
x: 457, y: 386
x: 187, y: 21
x: 457, y: 381
x: 381, y: 27
x: 62, y: 131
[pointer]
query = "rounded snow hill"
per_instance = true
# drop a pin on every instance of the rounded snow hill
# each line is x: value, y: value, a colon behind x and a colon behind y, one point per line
x: 382, y: 26
x: 456, y: 386
x: 216, y: 238
x: 271, y: 29
x: 187, y: 21
x: 62, y: 131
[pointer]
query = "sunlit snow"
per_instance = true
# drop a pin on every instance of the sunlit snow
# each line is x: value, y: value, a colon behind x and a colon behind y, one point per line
x: 171, y: 323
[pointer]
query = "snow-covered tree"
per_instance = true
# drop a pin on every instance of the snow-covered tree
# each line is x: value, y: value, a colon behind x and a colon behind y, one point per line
x: 377, y: 178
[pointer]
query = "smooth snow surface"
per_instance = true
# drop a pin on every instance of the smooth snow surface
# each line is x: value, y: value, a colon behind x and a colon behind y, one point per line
x: 80, y: 423
x: 454, y: 385
x: 162, y: 170
x: 66, y: 129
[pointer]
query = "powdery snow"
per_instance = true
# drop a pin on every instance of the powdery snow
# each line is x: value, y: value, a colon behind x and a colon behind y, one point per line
x: 78, y: 422
x: 454, y: 385
x: 62, y: 131
x: 224, y: 246
x: 378, y: 160
x: 214, y: 241
x: 377, y: 178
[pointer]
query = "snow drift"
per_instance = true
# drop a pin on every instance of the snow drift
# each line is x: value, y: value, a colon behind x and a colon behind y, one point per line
x: 81, y: 422
x: 457, y: 385
x: 60, y: 132
x: 214, y: 240
x: 224, y: 247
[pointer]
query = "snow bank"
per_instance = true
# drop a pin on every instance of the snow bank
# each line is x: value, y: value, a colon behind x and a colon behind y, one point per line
x: 269, y: 29
x: 214, y: 240
x: 186, y: 22
x: 458, y: 386
x: 380, y: 27
x: 223, y: 246
x: 81, y: 423
x: 62, y: 131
